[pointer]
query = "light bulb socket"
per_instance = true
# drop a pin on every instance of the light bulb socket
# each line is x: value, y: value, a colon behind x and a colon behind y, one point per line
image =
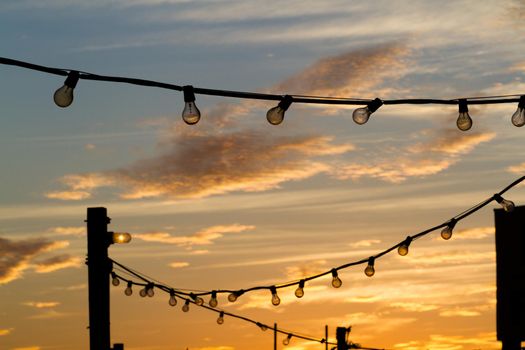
x: 334, y: 273
x: 172, y: 292
x: 286, y: 102
x: 463, y: 106
x: 452, y: 223
x: 407, y: 241
x: 374, y: 105
x: 213, y: 294
x: 371, y: 261
x: 498, y: 198
x: 130, y: 284
x: 521, y: 103
x: 72, y: 79
x: 301, y: 284
x: 189, y: 95
x: 273, y: 290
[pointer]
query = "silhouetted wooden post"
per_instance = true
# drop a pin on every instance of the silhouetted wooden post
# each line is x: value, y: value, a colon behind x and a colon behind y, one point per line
x: 98, y: 241
x: 510, y: 268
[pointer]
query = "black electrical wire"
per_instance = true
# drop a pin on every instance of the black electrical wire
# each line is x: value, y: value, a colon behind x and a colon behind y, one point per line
x: 257, y: 96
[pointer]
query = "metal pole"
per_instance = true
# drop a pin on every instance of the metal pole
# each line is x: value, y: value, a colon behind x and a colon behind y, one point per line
x: 326, y: 337
x: 275, y: 336
x: 98, y: 278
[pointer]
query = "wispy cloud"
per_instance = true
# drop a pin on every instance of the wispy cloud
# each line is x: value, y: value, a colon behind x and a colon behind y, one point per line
x: 203, y: 237
x: 472, y: 233
x: 42, y: 304
x: 5, y: 331
x: 517, y: 169
x: 69, y: 231
x: 365, y: 243
x: 179, y: 264
x: 306, y: 269
x: 440, y: 150
x: 17, y: 254
x: 58, y: 262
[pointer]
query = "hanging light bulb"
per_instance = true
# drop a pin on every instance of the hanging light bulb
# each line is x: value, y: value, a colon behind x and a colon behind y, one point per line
x: 518, y: 118
x: 336, y: 281
x: 299, y: 292
x: 198, y: 300
x: 149, y: 290
x: 403, y: 248
x: 114, y: 279
x: 186, y: 306
x: 446, y: 233
x: 190, y: 114
x: 263, y: 327
x: 464, y: 121
x: 143, y: 292
x: 232, y: 297
x: 173, y: 300
x: 63, y: 97
x: 120, y: 237
x: 286, y: 341
x: 220, y: 320
x: 507, y: 205
x: 275, y: 115
x: 275, y: 298
x: 213, y: 300
x: 361, y: 115
x: 370, y: 270
x: 128, y: 291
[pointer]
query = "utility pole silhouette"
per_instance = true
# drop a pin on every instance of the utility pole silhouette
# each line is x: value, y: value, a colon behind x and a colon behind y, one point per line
x: 510, y: 277
x: 99, y: 268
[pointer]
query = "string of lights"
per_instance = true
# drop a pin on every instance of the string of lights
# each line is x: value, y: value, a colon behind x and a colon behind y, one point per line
x: 63, y: 97
x: 149, y: 290
x: 402, y: 249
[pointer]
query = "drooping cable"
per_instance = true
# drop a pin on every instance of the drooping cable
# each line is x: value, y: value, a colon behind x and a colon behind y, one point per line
x: 370, y: 261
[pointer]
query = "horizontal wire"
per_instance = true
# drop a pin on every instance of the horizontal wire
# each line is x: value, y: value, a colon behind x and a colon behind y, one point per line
x: 327, y: 100
x: 458, y: 217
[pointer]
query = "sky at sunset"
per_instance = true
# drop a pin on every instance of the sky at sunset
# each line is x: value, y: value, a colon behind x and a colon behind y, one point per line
x: 234, y: 202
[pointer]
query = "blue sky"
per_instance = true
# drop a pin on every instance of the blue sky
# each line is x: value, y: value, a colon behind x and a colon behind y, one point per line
x: 234, y: 202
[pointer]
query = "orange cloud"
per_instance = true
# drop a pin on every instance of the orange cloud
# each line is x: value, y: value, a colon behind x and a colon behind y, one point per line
x: 69, y: 231
x: 68, y: 195
x: 350, y: 74
x: 441, y: 150
x: 203, y: 237
x: 179, y: 264
x: 16, y: 255
x: 42, y: 304
x: 517, y: 169
x: 306, y: 269
x: 5, y: 331
x: 58, y: 262
x: 365, y: 243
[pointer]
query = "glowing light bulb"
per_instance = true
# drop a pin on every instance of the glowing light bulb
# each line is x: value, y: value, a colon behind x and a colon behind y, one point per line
x: 275, y: 115
x: 173, y: 300
x: 199, y: 301
x: 299, y: 292
x: 286, y: 341
x: 275, y: 298
x: 190, y: 114
x: 120, y: 237
x: 63, y: 97
x: 464, y: 121
x: 446, y: 233
x: 518, y: 118
x: 114, y: 279
x: 220, y: 320
x: 232, y: 297
x: 336, y: 281
x: 128, y: 291
x: 370, y: 270
x: 143, y: 292
x: 186, y: 306
x: 213, y: 300
x: 361, y: 115
x: 507, y: 205
x: 403, y: 248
